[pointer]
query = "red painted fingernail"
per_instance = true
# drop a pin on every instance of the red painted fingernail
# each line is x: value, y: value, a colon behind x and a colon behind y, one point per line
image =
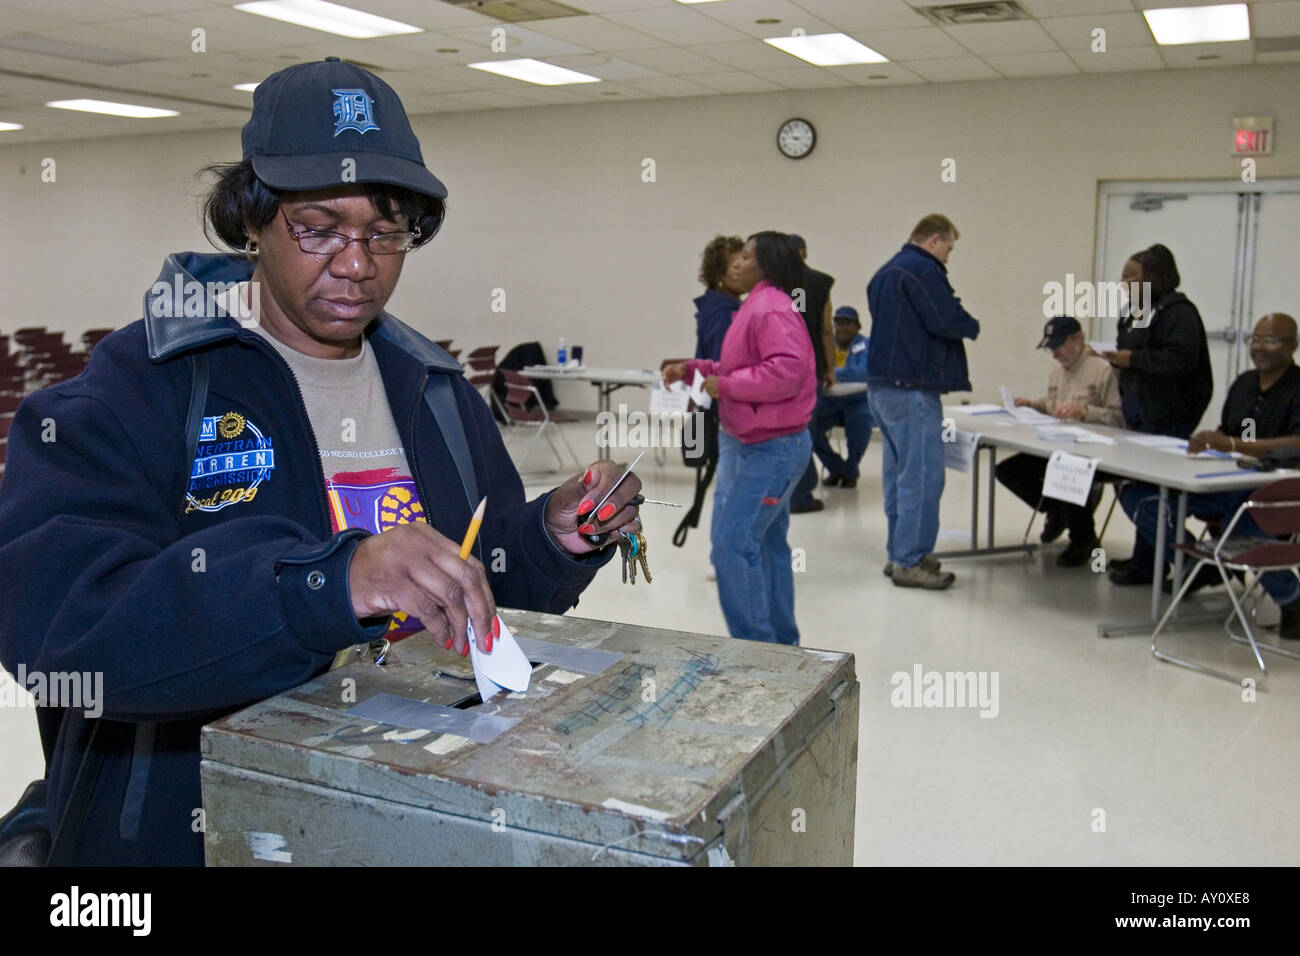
x: 586, y: 479
x: 496, y: 627
x: 487, y: 644
x: 586, y: 529
x: 448, y: 644
x: 586, y: 506
x: 605, y: 513
x: 465, y: 652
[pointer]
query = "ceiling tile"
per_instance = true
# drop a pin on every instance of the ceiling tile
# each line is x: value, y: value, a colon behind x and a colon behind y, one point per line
x: 605, y: 67
x: 1032, y: 64
x: 428, y: 14
x: 673, y: 60
x: 230, y: 20
x: 520, y: 41
x: 1275, y: 19
x: 805, y: 78
x: 742, y: 17
x: 594, y: 33
x: 1215, y: 54
x: 994, y: 39
x: 1122, y: 30
x: 361, y: 51
x: 876, y: 74
x: 679, y: 25
x: 1118, y: 61
x: 917, y: 43
x: 23, y: 21
x: 953, y: 69
x: 669, y: 86
x: 601, y: 7
x: 74, y: 11
x: 1065, y: 8
x: 849, y: 15
x: 470, y: 50
x: 492, y: 99
x: 753, y: 55
x: 159, y: 8
x: 1289, y: 56
x: 735, y: 82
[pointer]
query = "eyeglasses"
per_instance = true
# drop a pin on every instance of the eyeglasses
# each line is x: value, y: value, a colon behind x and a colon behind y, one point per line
x: 322, y: 242
x: 1268, y: 341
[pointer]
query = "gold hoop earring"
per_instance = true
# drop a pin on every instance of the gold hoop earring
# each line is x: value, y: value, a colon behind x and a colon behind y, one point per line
x: 251, y: 251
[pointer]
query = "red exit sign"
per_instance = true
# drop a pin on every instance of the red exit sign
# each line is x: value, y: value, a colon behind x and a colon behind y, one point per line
x: 1252, y: 136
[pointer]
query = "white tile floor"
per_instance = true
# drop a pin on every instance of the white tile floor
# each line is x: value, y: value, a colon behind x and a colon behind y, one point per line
x: 1184, y: 770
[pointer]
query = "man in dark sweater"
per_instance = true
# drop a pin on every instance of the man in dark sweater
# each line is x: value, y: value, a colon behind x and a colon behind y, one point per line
x: 817, y: 317
x: 1262, y: 411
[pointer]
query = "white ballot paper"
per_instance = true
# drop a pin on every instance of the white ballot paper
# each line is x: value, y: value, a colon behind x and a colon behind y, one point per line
x: 669, y: 401
x: 1099, y: 346
x: 1069, y: 477
x: 505, y: 668
x: 1021, y: 413
x: 698, y: 395
x: 959, y: 452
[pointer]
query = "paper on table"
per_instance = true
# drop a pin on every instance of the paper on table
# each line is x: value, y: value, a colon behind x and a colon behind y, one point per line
x: 1021, y: 413
x: 505, y: 668
x: 983, y: 409
x: 699, y: 396
x: 1157, y: 441
x: 1071, y: 433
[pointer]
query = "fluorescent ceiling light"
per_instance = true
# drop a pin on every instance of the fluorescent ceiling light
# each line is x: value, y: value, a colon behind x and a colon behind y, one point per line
x: 246, y: 87
x: 112, y: 109
x: 827, y: 49
x: 6, y: 127
x: 1218, y: 24
x: 534, y: 71
x: 329, y: 18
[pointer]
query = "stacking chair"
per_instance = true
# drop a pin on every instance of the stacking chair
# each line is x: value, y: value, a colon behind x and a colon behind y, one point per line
x: 1275, y: 508
x: 480, y: 366
x: 519, y: 392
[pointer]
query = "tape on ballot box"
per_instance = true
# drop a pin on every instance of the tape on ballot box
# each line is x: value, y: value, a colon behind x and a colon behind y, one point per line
x: 631, y: 746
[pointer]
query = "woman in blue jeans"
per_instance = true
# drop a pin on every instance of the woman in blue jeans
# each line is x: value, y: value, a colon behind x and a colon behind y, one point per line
x: 766, y: 387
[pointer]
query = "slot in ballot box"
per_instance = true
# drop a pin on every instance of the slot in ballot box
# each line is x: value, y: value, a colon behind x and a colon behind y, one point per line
x: 633, y: 746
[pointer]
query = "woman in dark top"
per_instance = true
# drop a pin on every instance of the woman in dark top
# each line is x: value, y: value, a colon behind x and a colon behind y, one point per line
x: 1165, y: 381
x: 715, y: 308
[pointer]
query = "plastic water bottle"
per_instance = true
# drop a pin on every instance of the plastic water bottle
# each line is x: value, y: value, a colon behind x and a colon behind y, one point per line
x: 562, y: 354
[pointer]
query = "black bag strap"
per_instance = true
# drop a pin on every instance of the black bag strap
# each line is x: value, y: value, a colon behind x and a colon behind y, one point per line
x: 703, y: 478
x: 441, y: 399
x: 64, y: 836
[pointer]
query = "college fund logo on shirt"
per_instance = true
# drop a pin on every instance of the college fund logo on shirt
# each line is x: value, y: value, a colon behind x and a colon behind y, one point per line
x: 231, y: 461
x: 376, y: 500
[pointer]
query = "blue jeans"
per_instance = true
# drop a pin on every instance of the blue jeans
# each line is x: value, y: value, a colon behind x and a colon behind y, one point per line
x: 1141, y: 503
x: 751, y: 514
x: 854, y: 413
x: 911, y: 425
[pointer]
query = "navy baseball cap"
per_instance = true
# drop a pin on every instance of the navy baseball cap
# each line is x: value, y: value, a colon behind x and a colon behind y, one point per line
x: 1057, y: 330
x: 846, y: 312
x: 310, y: 119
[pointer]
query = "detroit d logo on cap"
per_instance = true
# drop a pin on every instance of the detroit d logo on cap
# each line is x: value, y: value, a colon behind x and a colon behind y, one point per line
x: 352, y: 110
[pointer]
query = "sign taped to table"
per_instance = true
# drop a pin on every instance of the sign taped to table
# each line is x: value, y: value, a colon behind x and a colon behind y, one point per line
x: 1069, y: 477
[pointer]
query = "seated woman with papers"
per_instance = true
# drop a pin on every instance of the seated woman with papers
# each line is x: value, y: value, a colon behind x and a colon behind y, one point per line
x: 1082, y: 387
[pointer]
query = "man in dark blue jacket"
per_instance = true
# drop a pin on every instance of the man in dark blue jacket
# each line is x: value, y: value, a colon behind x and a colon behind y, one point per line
x: 196, y: 517
x: 916, y: 355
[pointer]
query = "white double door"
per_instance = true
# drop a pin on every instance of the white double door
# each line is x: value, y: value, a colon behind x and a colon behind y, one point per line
x: 1237, y: 247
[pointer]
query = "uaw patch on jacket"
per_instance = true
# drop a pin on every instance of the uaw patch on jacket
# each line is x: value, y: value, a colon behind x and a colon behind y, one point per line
x: 376, y: 500
x: 231, y: 461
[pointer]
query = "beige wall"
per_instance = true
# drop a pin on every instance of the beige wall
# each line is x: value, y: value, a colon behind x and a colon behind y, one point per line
x: 549, y: 204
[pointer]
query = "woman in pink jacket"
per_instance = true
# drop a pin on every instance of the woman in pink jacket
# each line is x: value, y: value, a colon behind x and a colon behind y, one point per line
x: 766, y: 387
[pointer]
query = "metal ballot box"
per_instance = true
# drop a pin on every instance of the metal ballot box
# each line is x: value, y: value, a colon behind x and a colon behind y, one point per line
x: 633, y: 746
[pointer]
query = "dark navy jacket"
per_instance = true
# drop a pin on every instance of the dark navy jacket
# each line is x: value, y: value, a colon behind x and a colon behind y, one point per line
x: 917, y: 325
x: 1169, y: 383
x: 714, y: 311
x: 99, y: 555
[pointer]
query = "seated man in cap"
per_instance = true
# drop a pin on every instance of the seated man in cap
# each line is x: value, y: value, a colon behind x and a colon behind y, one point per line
x: 264, y: 472
x: 852, y: 411
x: 1082, y: 387
x: 1261, y: 411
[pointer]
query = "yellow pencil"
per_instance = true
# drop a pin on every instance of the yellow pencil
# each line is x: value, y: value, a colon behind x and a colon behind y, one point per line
x: 472, y: 533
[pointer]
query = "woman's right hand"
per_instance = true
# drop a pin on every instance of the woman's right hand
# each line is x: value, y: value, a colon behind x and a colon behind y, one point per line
x: 674, y: 372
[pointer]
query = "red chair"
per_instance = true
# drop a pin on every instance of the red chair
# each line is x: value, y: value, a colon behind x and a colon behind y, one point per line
x: 519, y: 392
x: 1275, y: 508
x: 481, y: 365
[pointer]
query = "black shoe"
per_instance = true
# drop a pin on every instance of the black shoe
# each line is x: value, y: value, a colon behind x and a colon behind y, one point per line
x: 833, y: 481
x: 1120, y: 564
x: 1076, y: 554
x: 1054, y: 526
x: 1129, y: 577
x: 848, y: 482
x: 1290, y: 624
x: 816, y: 504
x: 1207, y: 577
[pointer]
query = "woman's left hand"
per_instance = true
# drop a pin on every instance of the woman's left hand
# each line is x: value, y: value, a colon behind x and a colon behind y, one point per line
x: 711, y: 386
x: 571, y: 512
x: 1121, y: 359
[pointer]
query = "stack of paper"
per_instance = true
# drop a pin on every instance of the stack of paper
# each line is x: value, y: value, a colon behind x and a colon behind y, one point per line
x: 1071, y: 433
x: 1022, y: 413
